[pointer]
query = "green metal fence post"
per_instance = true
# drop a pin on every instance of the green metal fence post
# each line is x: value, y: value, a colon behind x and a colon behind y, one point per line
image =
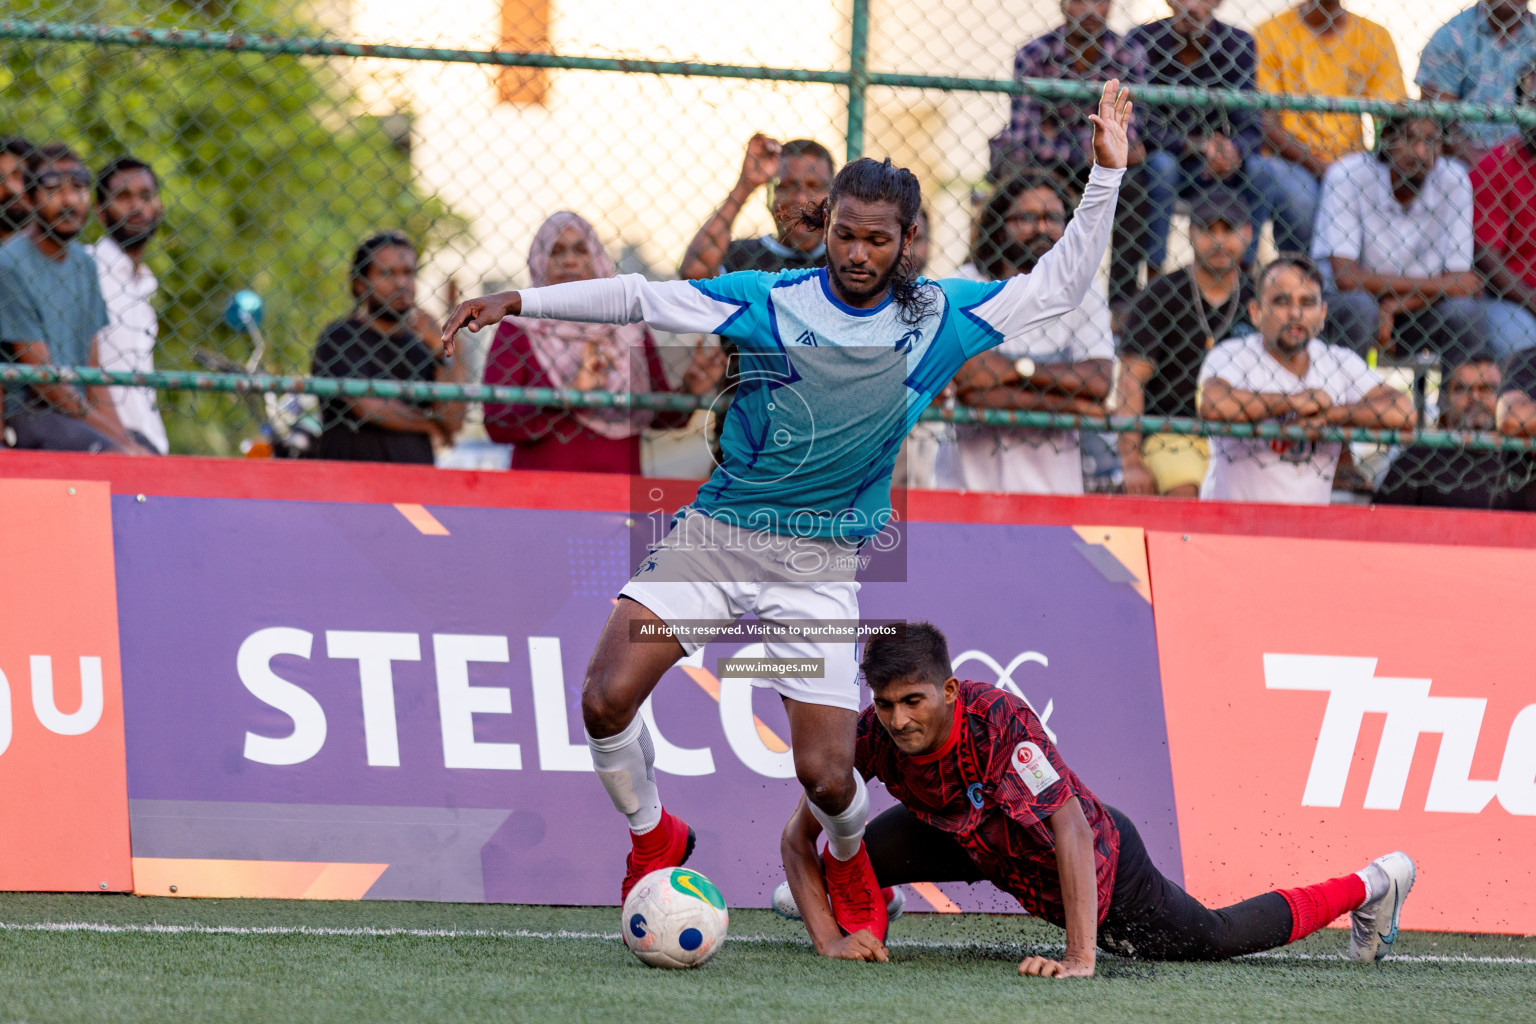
x: 858, y: 77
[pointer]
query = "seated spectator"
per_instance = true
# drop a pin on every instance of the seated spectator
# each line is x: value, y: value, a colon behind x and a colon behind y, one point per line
x: 1193, y: 150
x: 129, y: 208
x: 1175, y: 322
x: 15, y: 211
x: 1285, y: 373
x: 1063, y: 366
x: 1515, y: 416
x: 582, y: 357
x: 385, y: 338
x: 1504, y: 231
x: 1396, y: 228
x: 52, y: 313
x: 1321, y: 49
x: 1475, y: 58
x: 1056, y: 135
x: 796, y: 172
x: 1452, y: 477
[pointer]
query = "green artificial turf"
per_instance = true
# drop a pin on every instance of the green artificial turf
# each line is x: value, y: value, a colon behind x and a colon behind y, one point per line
x: 943, y: 969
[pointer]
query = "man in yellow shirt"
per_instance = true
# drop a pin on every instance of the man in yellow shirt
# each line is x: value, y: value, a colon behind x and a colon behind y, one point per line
x: 1319, y: 49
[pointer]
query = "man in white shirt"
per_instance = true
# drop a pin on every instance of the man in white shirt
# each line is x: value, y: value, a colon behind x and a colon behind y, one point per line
x: 129, y: 207
x: 1395, y: 228
x: 1064, y: 366
x: 1286, y: 374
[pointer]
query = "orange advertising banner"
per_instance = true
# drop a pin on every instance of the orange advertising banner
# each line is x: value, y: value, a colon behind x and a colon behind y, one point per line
x: 1331, y: 701
x: 63, y: 784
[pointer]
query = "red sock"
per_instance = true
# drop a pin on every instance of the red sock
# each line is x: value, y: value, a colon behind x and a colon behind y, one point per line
x: 1313, y: 906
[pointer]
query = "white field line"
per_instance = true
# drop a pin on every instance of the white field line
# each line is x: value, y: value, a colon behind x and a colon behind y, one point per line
x: 525, y: 933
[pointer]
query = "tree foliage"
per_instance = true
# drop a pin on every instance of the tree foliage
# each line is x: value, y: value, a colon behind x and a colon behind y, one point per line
x: 269, y: 171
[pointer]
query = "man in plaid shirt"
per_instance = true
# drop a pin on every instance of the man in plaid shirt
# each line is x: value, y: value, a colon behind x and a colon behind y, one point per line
x: 1055, y: 135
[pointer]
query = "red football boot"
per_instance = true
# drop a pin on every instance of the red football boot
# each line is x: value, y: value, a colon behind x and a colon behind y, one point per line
x: 665, y: 846
x: 857, y: 901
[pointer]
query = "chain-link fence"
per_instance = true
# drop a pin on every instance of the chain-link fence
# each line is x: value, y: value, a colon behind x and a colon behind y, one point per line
x: 493, y: 145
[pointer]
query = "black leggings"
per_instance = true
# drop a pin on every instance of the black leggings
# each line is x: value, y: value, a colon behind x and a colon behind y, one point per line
x: 1149, y: 917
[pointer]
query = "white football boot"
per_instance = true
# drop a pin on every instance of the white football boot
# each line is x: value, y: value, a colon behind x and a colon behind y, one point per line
x: 1373, y: 925
x: 784, y: 902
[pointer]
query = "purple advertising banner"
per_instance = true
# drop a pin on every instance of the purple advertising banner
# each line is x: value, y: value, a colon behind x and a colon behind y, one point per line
x: 380, y: 701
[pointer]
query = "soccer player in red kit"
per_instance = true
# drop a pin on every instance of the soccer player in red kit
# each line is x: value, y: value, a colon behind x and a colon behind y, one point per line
x: 985, y: 795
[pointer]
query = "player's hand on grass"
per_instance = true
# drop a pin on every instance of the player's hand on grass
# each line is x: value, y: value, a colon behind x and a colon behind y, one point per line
x: 861, y: 945
x: 473, y: 314
x: 1066, y: 967
x: 1111, y: 126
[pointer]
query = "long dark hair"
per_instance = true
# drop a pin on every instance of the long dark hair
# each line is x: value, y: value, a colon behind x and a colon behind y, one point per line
x: 880, y: 181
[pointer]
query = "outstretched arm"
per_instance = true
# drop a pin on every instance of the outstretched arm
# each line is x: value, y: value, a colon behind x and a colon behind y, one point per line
x: 1063, y: 275
x: 674, y: 306
x: 1075, y: 868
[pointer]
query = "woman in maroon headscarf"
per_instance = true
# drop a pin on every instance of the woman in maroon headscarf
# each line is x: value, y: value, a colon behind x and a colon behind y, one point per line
x: 583, y: 357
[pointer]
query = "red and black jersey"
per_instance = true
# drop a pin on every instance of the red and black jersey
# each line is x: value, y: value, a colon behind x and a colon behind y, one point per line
x: 992, y: 786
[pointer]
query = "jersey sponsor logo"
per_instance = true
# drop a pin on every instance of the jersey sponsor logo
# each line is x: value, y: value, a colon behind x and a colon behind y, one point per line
x: 808, y: 338
x: 1031, y: 764
x: 906, y: 341
x: 1354, y: 691
x: 973, y: 794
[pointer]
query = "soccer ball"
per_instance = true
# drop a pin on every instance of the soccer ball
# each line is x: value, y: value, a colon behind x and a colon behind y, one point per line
x: 674, y: 918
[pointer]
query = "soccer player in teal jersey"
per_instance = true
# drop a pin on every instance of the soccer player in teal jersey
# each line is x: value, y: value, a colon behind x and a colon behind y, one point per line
x: 837, y: 364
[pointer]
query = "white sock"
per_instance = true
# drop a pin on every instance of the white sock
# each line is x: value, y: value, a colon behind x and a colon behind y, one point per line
x: 626, y: 763
x: 845, y: 831
x: 1376, y: 881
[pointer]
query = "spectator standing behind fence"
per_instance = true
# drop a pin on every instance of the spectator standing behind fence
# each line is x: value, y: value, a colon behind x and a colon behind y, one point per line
x: 1396, y: 228
x: 1178, y: 319
x: 583, y: 357
x: 1475, y: 58
x: 1320, y: 49
x: 1452, y: 477
x: 15, y: 211
x: 1063, y: 366
x: 1193, y: 150
x: 1285, y: 373
x: 795, y: 173
x: 51, y: 313
x: 385, y: 338
x: 1056, y: 136
x: 1504, y: 230
x: 129, y: 208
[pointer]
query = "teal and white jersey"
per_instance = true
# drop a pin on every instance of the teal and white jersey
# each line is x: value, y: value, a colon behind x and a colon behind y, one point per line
x: 828, y: 391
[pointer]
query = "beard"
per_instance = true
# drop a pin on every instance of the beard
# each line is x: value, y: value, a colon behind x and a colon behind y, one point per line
x: 1286, y: 347
x: 14, y: 214
x: 128, y: 236
x: 384, y: 311
x: 881, y: 283
x: 60, y: 232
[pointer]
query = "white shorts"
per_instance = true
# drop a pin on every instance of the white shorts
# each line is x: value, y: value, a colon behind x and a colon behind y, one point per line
x: 710, y: 571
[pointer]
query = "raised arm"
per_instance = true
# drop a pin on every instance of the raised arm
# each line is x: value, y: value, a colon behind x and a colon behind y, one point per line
x: 1063, y: 275
x: 674, y: 306
x: 706, y: 252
